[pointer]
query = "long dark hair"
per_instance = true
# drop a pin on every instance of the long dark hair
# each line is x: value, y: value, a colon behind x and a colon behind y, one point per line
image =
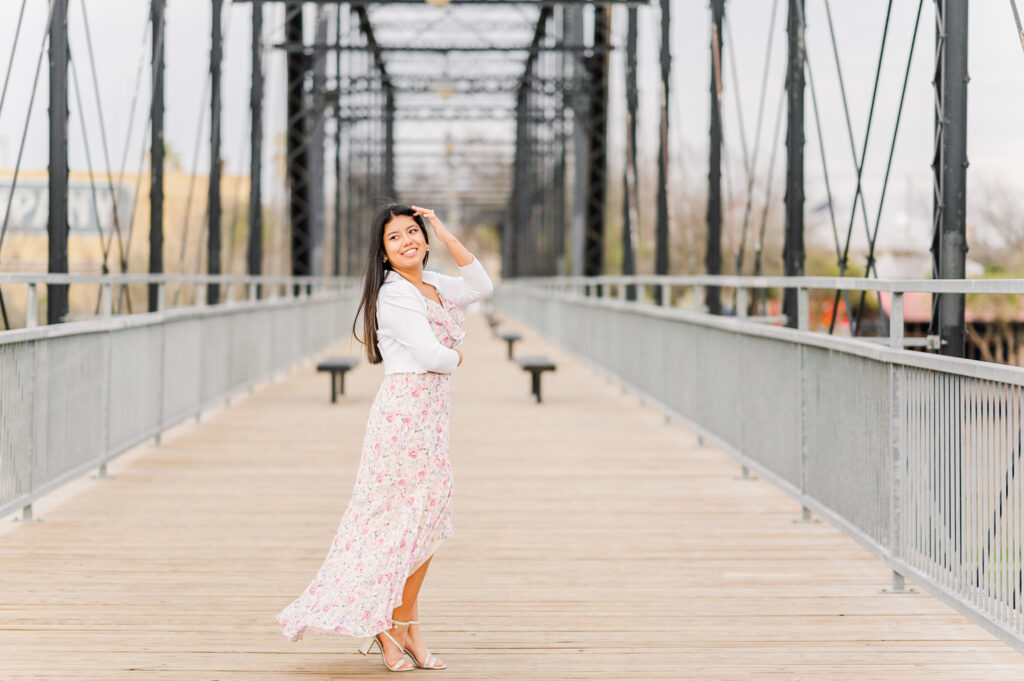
x: 376, y: 270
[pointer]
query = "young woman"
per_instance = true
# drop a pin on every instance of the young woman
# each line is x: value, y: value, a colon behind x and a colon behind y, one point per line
x: 400, y: 510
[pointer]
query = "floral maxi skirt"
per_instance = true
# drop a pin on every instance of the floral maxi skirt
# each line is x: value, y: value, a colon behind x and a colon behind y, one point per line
x: 399, y: 513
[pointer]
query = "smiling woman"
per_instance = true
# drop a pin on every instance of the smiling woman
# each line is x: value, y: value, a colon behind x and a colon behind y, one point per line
x: 400, y: 511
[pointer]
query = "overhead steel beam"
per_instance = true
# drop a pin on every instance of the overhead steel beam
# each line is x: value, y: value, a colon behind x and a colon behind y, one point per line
x: 57, y: 295
x: 526, y: 3
x: 371, y: 43
x: 441, y: 49
x: 949, y: 240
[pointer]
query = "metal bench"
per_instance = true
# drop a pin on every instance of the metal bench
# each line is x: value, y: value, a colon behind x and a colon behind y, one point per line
x: 536, y: 365
x: 337, y: 366
x: 493, y: 321
x: 510, y: 337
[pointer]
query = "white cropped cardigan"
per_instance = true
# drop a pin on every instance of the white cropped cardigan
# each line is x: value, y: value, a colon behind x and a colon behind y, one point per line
x: 406, y: 342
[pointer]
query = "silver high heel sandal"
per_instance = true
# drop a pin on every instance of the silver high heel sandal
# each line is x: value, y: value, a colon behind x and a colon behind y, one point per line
x: 397, y: 666
x: 426, y: 664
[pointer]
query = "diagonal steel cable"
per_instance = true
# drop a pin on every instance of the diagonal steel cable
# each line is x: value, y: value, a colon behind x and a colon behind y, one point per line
x: 14, y: 47
x: 88, y: 150
x: 828, y: 184
x: 24, y: 134
x: 106, y: 146
x: 122, y: 290
x: 888, y: 167
x: 752, y: 163
x: 1016, y: 18
x: 21, y: 150
x: 858, y: 162
x: 759, y: 245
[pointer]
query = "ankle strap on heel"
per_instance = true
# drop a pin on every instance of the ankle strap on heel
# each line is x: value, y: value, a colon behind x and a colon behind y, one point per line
x: 402, y: 624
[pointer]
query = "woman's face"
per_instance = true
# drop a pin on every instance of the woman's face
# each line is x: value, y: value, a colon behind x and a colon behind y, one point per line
x: 404, y: 242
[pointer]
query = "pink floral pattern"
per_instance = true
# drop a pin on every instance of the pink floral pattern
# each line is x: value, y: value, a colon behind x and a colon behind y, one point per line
x: 400, y: 510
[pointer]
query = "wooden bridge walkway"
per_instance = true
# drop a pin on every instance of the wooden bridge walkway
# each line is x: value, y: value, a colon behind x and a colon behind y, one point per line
x: 592, y: 541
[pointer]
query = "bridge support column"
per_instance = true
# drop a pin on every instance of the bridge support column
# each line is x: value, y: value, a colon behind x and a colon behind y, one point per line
x: 630, y: 209
x: 156, y: 149
x: 298, y: 145
x: 213, y: 202
x: 597, y: 145
x: 713, y: 255
x: 949, y: 240
x: 661, y: 242
x: 254, y: 254
x: 57, y: 295
x: 793, y: 250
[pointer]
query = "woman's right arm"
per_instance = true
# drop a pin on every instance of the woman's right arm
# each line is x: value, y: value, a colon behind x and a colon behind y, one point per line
x: 402, y: 317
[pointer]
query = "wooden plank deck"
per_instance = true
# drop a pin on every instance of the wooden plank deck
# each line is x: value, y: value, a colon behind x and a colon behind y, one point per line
x: 592, y: 541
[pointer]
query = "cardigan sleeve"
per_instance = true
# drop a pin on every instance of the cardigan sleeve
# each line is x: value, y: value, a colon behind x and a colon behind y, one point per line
x: 473, y: 285
x: 404, y: 319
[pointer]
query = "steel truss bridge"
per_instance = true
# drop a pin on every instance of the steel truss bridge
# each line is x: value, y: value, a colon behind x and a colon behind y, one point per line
x: 901, y: 443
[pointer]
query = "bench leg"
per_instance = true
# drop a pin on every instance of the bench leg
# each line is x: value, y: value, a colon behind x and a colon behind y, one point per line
x: 510, y: 349
x: 535, y: 375
x: 341, y: 383
x: 334, y: 387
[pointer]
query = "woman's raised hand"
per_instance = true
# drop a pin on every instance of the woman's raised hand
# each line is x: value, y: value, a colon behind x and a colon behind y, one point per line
x: 440, y: 230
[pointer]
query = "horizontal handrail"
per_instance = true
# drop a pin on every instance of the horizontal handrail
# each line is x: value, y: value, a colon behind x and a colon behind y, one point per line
x: 113, y: 279
x: 991, y: 286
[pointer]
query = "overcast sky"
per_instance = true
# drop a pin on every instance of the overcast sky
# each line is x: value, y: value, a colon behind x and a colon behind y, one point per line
x: 995, y: 109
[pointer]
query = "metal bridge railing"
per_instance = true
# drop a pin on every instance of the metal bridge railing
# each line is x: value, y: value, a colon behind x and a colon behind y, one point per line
x: 917, y: 456
x: 75, y: 395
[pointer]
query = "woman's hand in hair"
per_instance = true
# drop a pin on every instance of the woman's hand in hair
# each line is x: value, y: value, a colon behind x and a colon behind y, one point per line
x: 459, y: 253
x: 440, y: 231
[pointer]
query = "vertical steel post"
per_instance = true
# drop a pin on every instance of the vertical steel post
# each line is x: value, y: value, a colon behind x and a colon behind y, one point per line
x: 389, y: 140
x: 629, y: 198
x: 661, y: 245
x: 597, y: 144
x: 213, y: 201
x: 336, y: 251
x: 560, y: 216
x: 255, y: 245
x: 57, y: 295
x: 156, y: 151
x: 713, y: 254
x: 574, y: 34
x: 520, y: 194
x: 317, y: 142
x: 793, y: 249
x: 949, y: 240
x: 297, y: 142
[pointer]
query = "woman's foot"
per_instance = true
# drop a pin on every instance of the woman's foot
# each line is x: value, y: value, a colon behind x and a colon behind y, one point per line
x: 394, y: 655
x: 412, y: 640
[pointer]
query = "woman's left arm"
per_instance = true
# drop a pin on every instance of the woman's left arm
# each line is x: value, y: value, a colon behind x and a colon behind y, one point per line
x: 474, y: 284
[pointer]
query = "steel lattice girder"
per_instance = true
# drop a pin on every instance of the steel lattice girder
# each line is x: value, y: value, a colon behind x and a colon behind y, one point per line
x: 440, y: 49
x: 526, y: 3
